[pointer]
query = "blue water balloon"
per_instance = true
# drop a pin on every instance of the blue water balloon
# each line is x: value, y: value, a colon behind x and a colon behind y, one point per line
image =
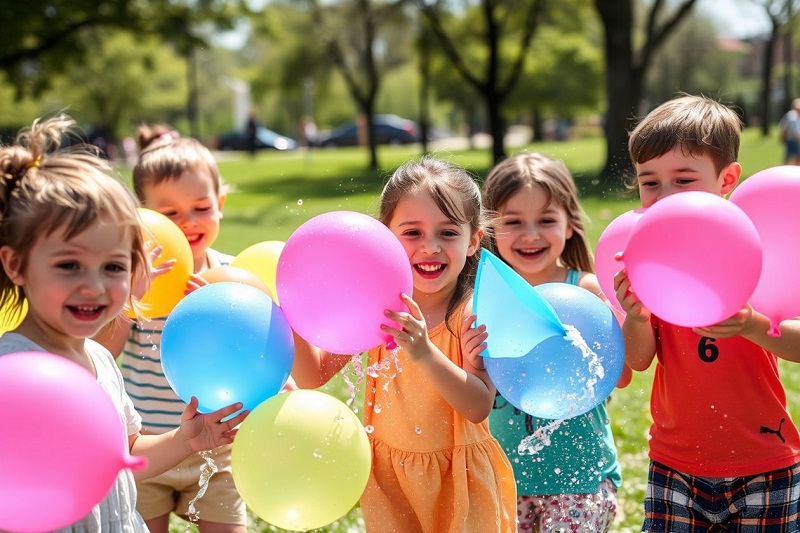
x: 562, y: 373
x: 515, y: 315
x: 224, y: 343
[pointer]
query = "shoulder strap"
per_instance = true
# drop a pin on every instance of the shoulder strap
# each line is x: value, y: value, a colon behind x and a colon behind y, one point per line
x: 573, y: 276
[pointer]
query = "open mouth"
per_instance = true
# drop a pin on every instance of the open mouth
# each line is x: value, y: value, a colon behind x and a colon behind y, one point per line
x: 530, y: 253
x: 86, y: 312
x: 429, y: 270
x: 194, y: 239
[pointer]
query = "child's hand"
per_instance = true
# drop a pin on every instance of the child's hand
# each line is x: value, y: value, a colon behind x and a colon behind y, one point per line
x: 140, y: 285
x: 473, y: 342
x: 741, y: 323
x: 628, y: 300
x: 195, y: 282
x: 207, y: 431
x: 413, y: 337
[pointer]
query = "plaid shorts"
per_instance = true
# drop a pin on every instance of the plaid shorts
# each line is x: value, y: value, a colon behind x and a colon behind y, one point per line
x: 763, y: 503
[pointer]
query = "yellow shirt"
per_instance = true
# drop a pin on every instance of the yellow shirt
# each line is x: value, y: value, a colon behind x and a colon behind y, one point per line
x: 433, y: 471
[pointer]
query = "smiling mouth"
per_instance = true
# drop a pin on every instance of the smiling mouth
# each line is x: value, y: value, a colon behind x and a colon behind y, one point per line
x: 429, y: 270
x: 194, y: 239
x: 530, y: 253
x: 86, y: 312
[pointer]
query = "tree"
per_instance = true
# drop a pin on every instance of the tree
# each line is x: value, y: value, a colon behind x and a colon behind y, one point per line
x: 41, y: 37
x: 504, y: 29
x: 626, y: 68
x: 780, y: 13
x: 362, y: 56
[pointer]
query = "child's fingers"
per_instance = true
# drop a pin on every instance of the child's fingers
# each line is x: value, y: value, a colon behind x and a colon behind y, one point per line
x: 413, y: 308
x: 191, y: 409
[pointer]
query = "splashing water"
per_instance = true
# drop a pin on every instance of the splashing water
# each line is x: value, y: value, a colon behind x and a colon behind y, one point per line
x: 533, y: 444
x: 596, y: 370
x: 208, y: 469
x: 358, y: 371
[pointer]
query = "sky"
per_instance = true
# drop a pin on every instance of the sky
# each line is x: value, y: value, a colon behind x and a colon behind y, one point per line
x: 736, y: 18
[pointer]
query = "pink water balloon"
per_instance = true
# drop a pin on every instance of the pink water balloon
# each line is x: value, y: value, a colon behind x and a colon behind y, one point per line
x: 337, y: 274
x: 63, y: 442
x: 612, y: 241
x: 693, y: 259
x: 771, y: 199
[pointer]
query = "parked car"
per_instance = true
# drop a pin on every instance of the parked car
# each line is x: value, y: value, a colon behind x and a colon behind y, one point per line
x: 388, y: 129
x: 265, y: 139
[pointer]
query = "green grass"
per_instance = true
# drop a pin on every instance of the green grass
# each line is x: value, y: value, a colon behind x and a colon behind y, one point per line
x: 275, y: 193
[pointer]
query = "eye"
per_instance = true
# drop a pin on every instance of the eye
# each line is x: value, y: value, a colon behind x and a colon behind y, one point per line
x: 68, y: 265
x: 450, y: 233
x: 169, y: 213
x: 116, y: 267
x: 411, y: 233
x: 685, y: 181
x: 202, y: 209
x: 648, y: 184
x: 510, y: 221
x: 547, y: 221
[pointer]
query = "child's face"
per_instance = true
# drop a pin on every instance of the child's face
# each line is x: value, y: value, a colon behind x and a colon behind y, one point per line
x: 75, y: 287
x: 677, y: 172
x: 191, y: 203
x: 531, y: 235
x: 436, y: 247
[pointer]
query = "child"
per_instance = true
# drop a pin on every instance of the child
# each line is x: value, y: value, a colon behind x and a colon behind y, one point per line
x: 725, y: 454
x: 570, y: 484
x: 435, y: 466
x: 178, y: 177
x: 70, y: 244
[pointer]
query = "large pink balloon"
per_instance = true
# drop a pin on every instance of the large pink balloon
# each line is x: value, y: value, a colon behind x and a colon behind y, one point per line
x: 337, y: 274
x: 611, y: 241
x: 62, y: 442
x: 693, y: 259
x: 771, y: 198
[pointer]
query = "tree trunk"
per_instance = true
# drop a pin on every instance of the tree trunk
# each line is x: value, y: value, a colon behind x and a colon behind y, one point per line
x: 766, y: 77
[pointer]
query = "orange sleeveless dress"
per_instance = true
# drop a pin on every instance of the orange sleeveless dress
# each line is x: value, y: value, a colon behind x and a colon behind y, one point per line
x: 433, y: 471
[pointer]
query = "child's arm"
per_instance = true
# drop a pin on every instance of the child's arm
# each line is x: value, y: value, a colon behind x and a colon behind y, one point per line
x: 197, y: 432
x: 313, y: 367
x: 468, y: 390
x: 640, y: 340
x: 753, y: 326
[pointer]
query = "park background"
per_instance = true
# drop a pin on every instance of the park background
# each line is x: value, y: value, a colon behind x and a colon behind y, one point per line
x: 485, y: 78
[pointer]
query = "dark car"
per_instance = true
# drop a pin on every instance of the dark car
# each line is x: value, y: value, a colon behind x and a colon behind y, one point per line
x: 388, y: 129
x: 265, y: 139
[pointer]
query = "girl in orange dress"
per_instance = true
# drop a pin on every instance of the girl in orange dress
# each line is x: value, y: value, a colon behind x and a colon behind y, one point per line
x: 435, y: 466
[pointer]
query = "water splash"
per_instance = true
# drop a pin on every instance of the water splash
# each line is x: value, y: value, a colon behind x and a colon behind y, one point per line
x: 358, y: 371
x: 596, y: 370
x: 533, y: 444
x: 208, y: 469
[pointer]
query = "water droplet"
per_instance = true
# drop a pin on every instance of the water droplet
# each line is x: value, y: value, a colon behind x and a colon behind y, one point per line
x: 557, y: 471
x: 154, y: 347
x: 378, y: 408
x: 418, y: 430
x: 300, y: 201
x: 338, y: 419
x: 317, y: 454
x: 369, y: 429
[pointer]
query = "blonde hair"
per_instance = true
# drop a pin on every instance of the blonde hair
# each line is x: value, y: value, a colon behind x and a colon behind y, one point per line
x: 698, y: 125
x: 458, y: 197
x: 165, y: 155
x: 44, y: 188
x: 552, y: 177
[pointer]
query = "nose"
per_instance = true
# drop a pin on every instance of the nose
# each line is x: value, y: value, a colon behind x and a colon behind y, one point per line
x: 431, y: 245
x: 92, y: 284
x: 531, y: 232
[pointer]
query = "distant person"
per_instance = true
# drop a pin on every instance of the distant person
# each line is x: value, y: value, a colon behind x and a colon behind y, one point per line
x: 309, y: 130
x: 251, y: 132
x: 790, y: 134
x: 724, y: 451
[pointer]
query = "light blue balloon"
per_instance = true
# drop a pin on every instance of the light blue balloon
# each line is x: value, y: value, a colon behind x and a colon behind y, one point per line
x: 227, y: 342
x: 564, y: 376
x: 517, y: 317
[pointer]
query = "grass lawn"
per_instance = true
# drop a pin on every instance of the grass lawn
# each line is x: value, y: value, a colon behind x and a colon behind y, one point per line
x: 275, y: 193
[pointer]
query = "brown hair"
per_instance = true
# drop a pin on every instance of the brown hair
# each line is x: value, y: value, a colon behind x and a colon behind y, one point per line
x: 166, y: 155
x: 698, y: 125
x: 526, y: 170
x: 458, y: 197
x: 44, y: 188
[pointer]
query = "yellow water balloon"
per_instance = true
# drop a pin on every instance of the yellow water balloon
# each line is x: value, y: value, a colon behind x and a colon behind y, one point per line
x: 10, y: 318
x: 301, y: 460
x: 262, y: 260
x: 167, y: 289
